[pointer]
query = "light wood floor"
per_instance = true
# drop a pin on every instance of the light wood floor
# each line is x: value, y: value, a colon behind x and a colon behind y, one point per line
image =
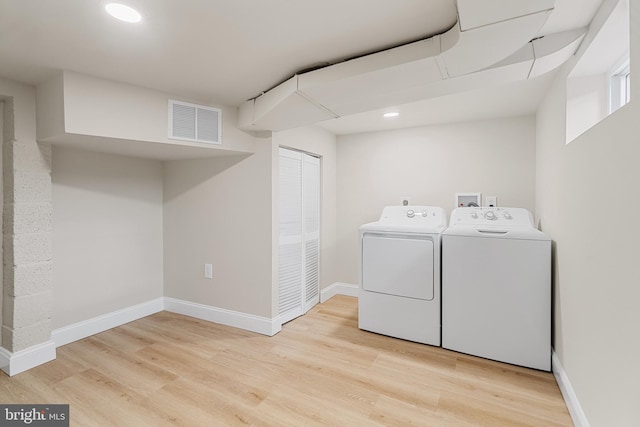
x: 168, y: 369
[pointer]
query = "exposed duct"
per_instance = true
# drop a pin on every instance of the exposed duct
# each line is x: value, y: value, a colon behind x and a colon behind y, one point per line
x: 491, y: 42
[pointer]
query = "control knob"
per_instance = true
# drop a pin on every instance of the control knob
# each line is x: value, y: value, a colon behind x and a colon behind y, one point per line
x: 490, y: 215
x: 410, y: 213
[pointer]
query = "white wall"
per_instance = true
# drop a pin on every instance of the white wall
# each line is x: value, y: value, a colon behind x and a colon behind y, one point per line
x: 218, y: 211
x: 587, y: 103
x: 429, y: 164
x: 1, y: 210
x: 22, y: 125
x: 588, y: 97
x: 587, y: 202
x: 107, y: 233
x: 99, y: 107
x: 94, y: 114
x: 317, y: 141
x: 221, y: 211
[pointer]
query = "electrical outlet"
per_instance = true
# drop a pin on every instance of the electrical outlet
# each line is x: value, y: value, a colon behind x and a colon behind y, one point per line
x: 208, y: 271
x: 491, y: 201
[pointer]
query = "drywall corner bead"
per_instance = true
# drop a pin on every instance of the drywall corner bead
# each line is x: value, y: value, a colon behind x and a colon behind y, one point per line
x: 27, y: 279
x: 31, y: 248
x: 29, y: 187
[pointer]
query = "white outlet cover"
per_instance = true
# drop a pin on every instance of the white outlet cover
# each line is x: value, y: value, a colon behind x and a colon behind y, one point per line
x: 208, y: 271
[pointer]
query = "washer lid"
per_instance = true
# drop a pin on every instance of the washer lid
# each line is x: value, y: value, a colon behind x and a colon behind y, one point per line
x: 496, y: 232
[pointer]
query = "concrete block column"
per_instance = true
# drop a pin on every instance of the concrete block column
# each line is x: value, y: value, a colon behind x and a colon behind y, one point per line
x: 27, y: 246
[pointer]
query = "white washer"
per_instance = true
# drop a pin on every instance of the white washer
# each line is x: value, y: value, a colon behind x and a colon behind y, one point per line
x: 400, y: 273
x: 496, y: 287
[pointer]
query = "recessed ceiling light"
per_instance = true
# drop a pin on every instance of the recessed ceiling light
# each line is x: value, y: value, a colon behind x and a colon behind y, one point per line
x: 123, y: 12
x: 392, y: 114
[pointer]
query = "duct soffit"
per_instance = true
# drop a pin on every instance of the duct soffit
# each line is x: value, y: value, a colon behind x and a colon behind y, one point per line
x: 488, y: 34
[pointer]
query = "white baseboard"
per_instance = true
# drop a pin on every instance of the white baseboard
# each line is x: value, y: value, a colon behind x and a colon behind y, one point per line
x: 338, y: 288
x: 13, y: 363
x: 86, y: 328
x: 575, y: 410
x: 249, y: 322
x: 20, y: 361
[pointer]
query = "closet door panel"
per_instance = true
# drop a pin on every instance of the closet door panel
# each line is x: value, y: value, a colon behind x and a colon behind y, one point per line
x: 291, y: 238
x: 311, y: 218
x: 299, y: 234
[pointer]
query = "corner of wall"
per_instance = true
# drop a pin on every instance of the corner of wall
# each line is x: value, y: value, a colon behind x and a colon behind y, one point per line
x: 50, y: 108
x: 573, y: 405
x: 23, y: 360
x: 338, y: 288
x: 26, y: 199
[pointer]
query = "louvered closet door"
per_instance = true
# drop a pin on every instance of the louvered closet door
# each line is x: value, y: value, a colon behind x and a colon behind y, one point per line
x: 290, y: 244
x: 299, y: 244
x: 311, y: 227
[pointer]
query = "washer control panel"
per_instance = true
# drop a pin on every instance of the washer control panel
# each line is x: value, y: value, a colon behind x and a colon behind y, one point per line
x: 413, y: 215
x: 508, y: 217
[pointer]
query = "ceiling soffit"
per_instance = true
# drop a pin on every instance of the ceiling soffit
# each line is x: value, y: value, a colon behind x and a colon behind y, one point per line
x: 493, y: 41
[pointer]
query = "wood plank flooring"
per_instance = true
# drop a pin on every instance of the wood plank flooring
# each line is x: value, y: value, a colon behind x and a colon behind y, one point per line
x: 168, y: 369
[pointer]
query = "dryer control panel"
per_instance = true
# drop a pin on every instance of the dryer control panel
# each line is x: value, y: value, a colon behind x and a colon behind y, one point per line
x: 413, y: 215
x: 492, y: 216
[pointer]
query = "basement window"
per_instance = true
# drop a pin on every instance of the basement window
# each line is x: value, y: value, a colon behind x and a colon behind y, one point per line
x: 620, y: 87
x: 600, y: 82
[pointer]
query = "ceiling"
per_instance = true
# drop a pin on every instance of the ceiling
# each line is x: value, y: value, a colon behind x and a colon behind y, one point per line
x: 225, y: 52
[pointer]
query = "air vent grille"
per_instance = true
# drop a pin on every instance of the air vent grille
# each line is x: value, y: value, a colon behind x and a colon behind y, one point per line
x: 191, y: 122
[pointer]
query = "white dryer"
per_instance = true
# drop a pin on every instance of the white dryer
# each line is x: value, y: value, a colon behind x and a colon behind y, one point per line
x: 400, y: 273
x: 496, y: 286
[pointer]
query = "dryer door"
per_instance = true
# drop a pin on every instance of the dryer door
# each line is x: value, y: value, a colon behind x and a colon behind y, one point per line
x: 398, y: 265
